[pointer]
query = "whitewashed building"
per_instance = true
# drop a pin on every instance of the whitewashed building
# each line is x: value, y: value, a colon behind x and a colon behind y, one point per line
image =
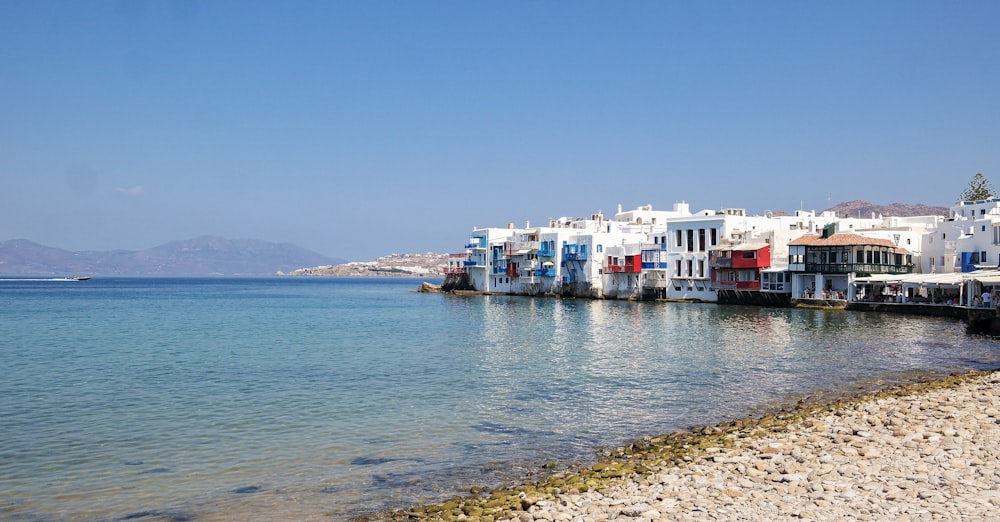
x: 968, y: 238
x: 484, y: 263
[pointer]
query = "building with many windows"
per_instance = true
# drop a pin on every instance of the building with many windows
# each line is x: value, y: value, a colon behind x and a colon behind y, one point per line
x: 823, y: 266
x: 680, y: 255
x: 968, y: 239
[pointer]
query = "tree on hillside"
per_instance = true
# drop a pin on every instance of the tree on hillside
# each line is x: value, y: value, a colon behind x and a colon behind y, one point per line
x: 979, y: 188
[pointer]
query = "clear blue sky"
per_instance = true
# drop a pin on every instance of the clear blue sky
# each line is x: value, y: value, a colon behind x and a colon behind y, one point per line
x: 363, y: 128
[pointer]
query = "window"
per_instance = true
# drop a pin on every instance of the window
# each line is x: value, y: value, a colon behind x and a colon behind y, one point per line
x: 701, y: 268
x: 690, y: 268
x: 715, y: 236
x: 690, y: 239
x: 680, y: 238
x: 600, y: 248
x: 749, y: 254
x: 701, y: 239
x: 677, y: 269
x: 932, y: 261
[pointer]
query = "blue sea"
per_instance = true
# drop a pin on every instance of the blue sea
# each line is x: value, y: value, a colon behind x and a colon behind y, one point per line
x: 326, y: 398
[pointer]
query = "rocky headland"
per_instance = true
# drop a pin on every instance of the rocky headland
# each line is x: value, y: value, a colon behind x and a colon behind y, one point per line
x: 927, y: 451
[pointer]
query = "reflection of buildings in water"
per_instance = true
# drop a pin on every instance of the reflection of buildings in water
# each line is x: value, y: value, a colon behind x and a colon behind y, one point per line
x: 563, y: 323
x: 762, y: 330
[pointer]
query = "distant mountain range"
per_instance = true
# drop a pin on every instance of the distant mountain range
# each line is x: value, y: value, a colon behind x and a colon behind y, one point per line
x: 203, y: 256
x: 864, y: 209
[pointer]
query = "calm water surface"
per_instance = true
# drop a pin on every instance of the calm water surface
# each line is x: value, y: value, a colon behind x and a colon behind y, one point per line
x: 323, y: 398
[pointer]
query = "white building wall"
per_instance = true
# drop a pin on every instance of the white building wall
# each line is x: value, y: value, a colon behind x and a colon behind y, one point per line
x: 688, y: 241
x: 985, y: 234
x: 972, y: 226
x: 480, y: 274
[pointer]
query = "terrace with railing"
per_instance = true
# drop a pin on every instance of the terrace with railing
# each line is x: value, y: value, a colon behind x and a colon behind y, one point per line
x: 476, y: 242
x: 574, y: 252
x: 866, y: 268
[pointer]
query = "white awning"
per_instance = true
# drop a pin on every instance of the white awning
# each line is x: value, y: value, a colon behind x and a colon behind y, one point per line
x: 993, y: 279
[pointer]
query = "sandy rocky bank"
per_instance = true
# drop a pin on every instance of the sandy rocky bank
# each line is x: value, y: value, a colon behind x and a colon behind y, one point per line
x: 926, y: 451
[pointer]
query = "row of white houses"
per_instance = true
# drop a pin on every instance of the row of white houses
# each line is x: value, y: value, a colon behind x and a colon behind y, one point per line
x: 682, y: 255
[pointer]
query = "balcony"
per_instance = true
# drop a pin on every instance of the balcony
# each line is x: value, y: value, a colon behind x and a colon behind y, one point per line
x: 735, y: 285
x: 653, y: 265
x: 575, y: 252
x: 621, y: 269
x: 847, y: 268
x: 476, y: 242
x: 474, y: 263
x: 719, y: 261
x: 545, y: 251
x: 545, y: 272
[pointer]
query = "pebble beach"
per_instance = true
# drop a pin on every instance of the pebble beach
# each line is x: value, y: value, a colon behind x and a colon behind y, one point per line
x: 928, y: 451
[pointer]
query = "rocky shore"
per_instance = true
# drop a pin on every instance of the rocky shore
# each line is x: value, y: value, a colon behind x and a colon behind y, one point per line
x: 927, y: 451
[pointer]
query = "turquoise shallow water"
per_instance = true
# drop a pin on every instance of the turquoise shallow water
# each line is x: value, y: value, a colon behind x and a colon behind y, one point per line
x: 319, y: 398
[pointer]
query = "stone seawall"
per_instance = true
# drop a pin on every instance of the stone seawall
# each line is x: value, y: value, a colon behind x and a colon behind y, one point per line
x: 753, y: 298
